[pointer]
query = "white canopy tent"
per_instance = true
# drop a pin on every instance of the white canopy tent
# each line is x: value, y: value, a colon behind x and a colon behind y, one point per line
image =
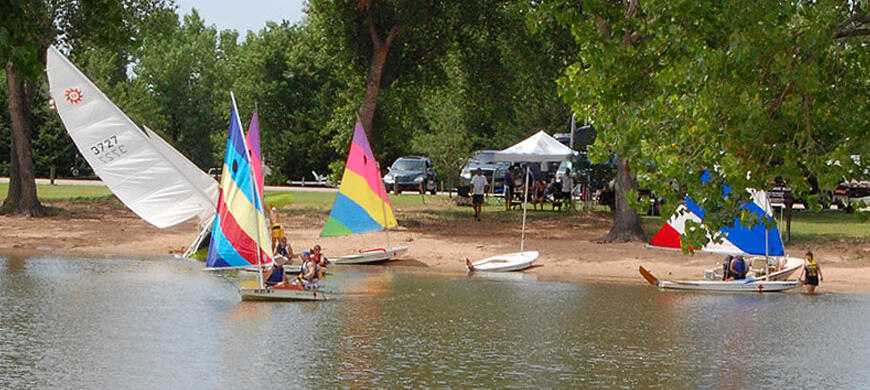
x: 540, y: 147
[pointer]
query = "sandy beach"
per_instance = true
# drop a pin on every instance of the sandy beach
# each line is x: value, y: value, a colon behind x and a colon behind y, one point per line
x: 438, y: 241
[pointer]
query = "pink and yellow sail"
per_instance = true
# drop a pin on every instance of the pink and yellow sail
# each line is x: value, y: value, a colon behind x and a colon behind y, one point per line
x: 239, y: 233
x: 362, y: 204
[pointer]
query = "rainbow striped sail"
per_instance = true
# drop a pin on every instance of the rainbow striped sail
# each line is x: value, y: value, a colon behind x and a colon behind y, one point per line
x: 240, y: 218
x: 362, y: 204
x: 253, y: 138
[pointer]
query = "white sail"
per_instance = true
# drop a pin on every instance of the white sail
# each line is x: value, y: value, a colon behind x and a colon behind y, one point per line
x: 147, y: 174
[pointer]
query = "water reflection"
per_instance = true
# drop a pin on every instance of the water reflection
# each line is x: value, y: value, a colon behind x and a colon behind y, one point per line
x: 168, y: 324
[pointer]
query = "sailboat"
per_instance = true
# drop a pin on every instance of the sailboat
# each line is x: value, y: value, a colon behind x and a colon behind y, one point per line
x: 147, y: 174
x: 540, y: 147
x: 239, y: 237
x: 768, y: 264
x: 361, y: 204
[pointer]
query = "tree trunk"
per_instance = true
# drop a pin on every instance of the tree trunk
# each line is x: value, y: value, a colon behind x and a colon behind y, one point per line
x: 626, y: 221
x: 373, y: 87
x: 14, y: 192
x: 19, y: 117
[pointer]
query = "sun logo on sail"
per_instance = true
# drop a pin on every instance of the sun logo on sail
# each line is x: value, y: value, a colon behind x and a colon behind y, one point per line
x: 73, y: 95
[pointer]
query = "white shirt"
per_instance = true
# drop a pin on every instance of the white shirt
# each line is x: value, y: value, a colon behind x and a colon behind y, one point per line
x: 478, y: 183
x: 567, y: 183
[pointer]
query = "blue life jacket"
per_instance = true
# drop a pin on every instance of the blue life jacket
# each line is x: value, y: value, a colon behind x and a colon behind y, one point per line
x: 277, y: 275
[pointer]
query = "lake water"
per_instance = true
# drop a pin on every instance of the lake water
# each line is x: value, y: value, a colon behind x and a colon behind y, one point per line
x: 158, y: 324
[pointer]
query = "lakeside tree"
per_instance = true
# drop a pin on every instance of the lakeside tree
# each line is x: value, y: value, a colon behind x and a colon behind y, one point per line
x: 746, y: 93
x: 27, y: 28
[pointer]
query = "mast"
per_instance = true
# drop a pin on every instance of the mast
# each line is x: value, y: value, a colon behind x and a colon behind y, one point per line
x: 525, y: 201
x: 254, y: 190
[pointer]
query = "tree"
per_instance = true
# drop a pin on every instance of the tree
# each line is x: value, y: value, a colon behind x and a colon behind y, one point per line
x: 745, y: 93
x: 27, y: 28
x: 182, y: 83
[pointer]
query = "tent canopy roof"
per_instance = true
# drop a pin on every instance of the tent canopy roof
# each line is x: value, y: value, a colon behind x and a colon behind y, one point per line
x: 539, y: 147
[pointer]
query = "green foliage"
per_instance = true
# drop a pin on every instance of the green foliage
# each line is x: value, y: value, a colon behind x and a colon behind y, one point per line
x: 748, y: 92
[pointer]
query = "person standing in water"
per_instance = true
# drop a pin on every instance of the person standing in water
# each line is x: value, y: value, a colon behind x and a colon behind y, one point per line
x: 813, y: 273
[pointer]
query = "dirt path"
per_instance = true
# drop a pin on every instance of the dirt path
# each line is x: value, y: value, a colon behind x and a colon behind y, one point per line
x: 440, y: 238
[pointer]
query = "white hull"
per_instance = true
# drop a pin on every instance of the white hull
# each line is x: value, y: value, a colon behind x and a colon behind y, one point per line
x: 742, y: 285
x: 370, y: 257
x: 283, y: 294
x: 506, y: 263
x: 749, y: 285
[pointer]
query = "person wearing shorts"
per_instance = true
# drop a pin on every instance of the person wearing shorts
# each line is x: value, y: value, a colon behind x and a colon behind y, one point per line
x: 813, y: 273
x: 478, y: 188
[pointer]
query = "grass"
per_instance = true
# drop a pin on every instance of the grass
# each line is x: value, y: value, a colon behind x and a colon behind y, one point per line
x: 50, y: 193
x: 807, y: 227
x: 829, y: 225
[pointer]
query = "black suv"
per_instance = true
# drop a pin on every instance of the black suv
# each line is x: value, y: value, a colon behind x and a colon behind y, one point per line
x: 413, y: 173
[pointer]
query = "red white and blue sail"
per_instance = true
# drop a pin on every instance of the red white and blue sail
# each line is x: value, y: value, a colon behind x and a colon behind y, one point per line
x: 238, y: 234
x: 362, y: 204
x: 737, y: 239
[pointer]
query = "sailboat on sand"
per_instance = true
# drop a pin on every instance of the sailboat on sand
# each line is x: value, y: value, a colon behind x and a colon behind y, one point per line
x: 769, y: 267
x: 147, y: 174
x: 361, y: 204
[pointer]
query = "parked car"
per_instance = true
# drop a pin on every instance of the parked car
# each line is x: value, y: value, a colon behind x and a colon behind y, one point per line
x: 413, y: 173
x: 485, y: 160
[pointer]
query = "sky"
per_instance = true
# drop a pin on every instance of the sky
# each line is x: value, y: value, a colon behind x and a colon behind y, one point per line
x: 243, y: 15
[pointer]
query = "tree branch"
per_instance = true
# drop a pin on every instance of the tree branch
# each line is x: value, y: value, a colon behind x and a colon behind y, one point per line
x: 602, y: 28
x: 858, y: 32
x: 779, y: 100
x: 373, y: 31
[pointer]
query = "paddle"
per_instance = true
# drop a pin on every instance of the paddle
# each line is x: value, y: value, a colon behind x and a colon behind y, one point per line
x: 648, y: 276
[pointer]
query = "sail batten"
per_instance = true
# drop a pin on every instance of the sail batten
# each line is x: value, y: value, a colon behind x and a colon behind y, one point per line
x: 362, y: 204
x: 147, y: 174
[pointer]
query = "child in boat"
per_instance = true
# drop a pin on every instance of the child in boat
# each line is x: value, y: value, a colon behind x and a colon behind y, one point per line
x: 310, y: 273
x: 317, y: 256
x: 276, y: 276
x: 813, y: 273
x: 283, y: 249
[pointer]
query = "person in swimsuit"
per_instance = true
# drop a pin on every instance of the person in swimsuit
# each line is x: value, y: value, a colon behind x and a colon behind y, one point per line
x: 813, y: 273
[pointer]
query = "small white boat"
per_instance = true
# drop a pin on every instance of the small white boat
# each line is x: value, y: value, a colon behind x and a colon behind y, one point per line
x: 505, y: 263
x: 740, y: 285
x: 370, y: 256
x: 292, y: 293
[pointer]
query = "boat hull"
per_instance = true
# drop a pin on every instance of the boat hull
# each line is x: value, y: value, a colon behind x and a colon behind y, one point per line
x: 370, y: 256
x: 730, y: 286
x: 506, y: 263
x: 284, y: 294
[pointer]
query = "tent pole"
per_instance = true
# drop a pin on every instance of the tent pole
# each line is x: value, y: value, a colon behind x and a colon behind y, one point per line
x: 525, y: 201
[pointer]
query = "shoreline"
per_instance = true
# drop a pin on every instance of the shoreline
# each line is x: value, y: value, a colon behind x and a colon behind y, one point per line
x: 438, y: 243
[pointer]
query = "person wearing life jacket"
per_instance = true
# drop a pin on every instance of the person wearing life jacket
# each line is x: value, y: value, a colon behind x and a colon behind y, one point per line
x: 277, y: 229
x: 283, y: 249
x: 276, y: 277
x: 813, y: 273
x: 310, y: 273
x: 317, y: 255
x: 737, y: 269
